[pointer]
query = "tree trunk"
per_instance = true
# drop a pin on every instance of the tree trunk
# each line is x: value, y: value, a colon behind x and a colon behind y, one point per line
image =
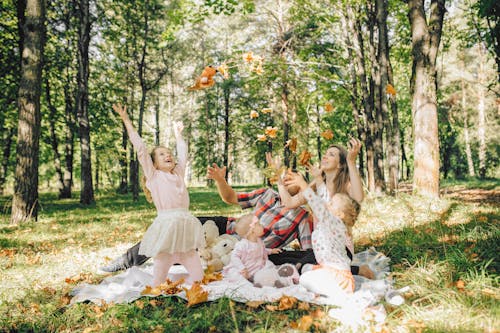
x: 481, y: 112
x: 226, y: 129
x: 468, y: 150
x: 82, y: 104
x: 32, y: 33
x: 9, y: 134
x: 54, y: 142
x: 69, y: 144
x: 425, y: 45
x: 393, y: 139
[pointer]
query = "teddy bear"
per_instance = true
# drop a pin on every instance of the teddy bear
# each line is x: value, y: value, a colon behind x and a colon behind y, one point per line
x: 211, y: 233
x: 221, y: 252
x: 276, y: 276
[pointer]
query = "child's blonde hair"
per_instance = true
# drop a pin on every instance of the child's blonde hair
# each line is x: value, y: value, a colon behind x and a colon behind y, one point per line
x: 147, y: 192
x: 243, y: 225
x: 348, y: 211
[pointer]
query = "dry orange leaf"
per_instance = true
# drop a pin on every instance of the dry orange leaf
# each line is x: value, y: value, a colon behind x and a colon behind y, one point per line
x: 390, y: 90
x: 196, y: 294
x: 304, y: 158
x: 248, y: 57
x: 254, y: 304
x: 266, y: 110
x: 305, y: 323
x: 328, y: 134
x: 223, y: 70
x: 261, y: 137
x: 254, y: 114
x: 271, y: 131
x: 166, y: 288
x: 210, y: 277
x: 460, y: 284
x: 328, y: 107
x: 205, y: 80
x: 292, y: 145
x: 287, y: 302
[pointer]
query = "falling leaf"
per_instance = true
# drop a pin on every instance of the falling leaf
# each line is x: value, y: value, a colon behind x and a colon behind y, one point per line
x: 304, y: 158
x: 328, y: 107
x: 292, y: 145
x: 271, y: 131
x: 328, y: 134
x: 305, y: 323
x: 390, y: 90
x: 248, y: 57
x: 261, y: 137
x: 223, y: 70
x: 287, y: 302
x: 254, y: 114
x: 266, y: 110
x: 196, y: 294
x: 205, y: 80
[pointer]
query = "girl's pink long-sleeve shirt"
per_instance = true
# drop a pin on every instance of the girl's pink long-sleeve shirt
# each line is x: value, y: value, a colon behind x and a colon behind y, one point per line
x: 167, y: 189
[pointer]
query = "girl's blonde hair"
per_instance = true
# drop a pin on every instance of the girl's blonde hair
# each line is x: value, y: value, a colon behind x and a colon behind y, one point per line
x: 349, y: 210
x: 147, y: 192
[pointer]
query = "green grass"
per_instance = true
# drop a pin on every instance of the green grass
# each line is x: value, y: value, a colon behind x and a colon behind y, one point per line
x: 446, y: 250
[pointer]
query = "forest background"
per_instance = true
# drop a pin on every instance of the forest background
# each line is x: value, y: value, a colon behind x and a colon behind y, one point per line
x: 294, y: 76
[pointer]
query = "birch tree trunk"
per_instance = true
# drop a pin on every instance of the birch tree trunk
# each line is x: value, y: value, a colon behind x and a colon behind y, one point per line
x: 468, y: 150
x: 425, y: 44
x: 31, y: 14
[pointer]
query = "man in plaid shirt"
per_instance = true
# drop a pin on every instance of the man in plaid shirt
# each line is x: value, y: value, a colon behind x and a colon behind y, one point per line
x: 281, y: 225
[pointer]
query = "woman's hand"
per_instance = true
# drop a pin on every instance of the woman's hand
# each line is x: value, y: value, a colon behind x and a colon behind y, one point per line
x: 273, y: 163
x: 316, y: 172
x: 354, y: 148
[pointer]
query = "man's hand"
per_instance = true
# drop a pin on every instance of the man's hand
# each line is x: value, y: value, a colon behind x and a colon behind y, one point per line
x: 216, y: 173
x: 121, y: 110
x: 354, y: 147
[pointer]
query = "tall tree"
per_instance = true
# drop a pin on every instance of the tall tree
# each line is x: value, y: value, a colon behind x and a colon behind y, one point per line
x: 31, y: 15
x: 82, y: 102
x: 426, y: 37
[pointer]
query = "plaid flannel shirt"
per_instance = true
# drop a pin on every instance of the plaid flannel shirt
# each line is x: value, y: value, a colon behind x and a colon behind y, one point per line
x: 281, y: 224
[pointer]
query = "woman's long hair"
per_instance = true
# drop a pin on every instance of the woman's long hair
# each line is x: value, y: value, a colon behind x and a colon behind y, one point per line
x: 341, y: 180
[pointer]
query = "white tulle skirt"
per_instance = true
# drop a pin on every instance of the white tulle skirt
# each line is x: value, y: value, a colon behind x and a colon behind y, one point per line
x: 175, y: 230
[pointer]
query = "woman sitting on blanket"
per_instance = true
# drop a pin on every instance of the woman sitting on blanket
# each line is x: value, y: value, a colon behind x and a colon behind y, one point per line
x: 249, y: 254
x: 334, y: 219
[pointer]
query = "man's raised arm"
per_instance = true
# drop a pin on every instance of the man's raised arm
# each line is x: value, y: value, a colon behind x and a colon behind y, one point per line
x: 226, y: 192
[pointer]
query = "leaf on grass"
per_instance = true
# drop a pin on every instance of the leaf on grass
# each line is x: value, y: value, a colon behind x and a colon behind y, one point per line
x: 166, y: 288
x: 196, y: 294
x: 254, y: 304
x: 304, y: 323
x: 266, y: 110
x: 211, y: 277
x: 7, y: 253
x: 82, y: 277
x: 304, y: 158
x: 287, y: 302
x: 303, y: 306
x: 328, y: 107
x: 139, y: 304
x: 460, y: 284
x: 271, y: 308
x: 248, y: 57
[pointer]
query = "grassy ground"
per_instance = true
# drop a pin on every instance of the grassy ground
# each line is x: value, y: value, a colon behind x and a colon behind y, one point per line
x: 446, y: 250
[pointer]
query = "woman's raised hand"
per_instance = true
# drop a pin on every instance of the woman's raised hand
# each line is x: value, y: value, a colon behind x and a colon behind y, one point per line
x: 316, y: 172
x: 294, y: 179
x: 354, y: 148
x: 273, y: 163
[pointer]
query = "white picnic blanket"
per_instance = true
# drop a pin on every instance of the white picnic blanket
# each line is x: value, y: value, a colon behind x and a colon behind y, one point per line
x: 127, y: 286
